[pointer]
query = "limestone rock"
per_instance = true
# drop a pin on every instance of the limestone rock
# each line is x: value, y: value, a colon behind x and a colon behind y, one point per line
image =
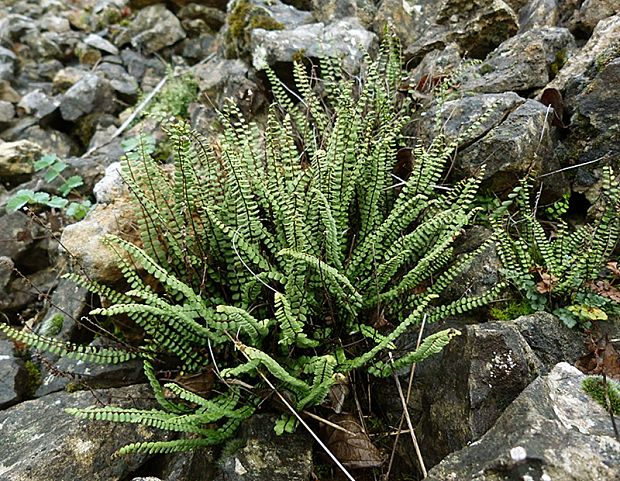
x: 574, y: 72
x: 154, y: 28
x: 17, y: 158
x: 518, y: 145
x: 266, y: 456
x: 40, y: 441
x: 482, y: 372
x: 38, y: 103
x: 345, y: 39
x: 523, y: 62
x: 7, y: 112
x: 329, y: 10
x: 89, y: 94
x: 19, y: 232
x: 82, y: 241
x: 538, y: 13
x: 553, y: 430
x: 13, y: 375
x: 477, y: 27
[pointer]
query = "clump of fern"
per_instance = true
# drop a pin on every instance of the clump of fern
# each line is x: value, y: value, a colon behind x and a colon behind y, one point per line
x: 561, y: 273
x: 286, y: 254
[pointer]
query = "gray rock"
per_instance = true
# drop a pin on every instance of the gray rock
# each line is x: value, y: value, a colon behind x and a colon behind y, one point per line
x: 460, y: 395
x: 40, y: 441
x: 13, y: 374
x: 553, y: 430
x: 118, y: 77
x: 38, y: 104
x: 477, y: 27
x: 69, y: 374
x: 48, y: 70
x: 575, y: 71
x: 246, y: 16
x: 328, y: 10
x: 518, y: 145
x: 8, y: 64
x: 14, y: 26
x: 523, y: 62
x: 17, y: 158
x: 50, y: 140
x: 550, y: 339
x: 54, y: 23
x: 266, y: 456
x: 409, y: 19
x: 436, y: 64
x: 111, y: 186
x: 100, y: 43
x: 90, y: 93
x: 19, y: 232
x: 199, y: 464
x: 25, y: 290
x: 7, y: 111
x: 599, y: 101
x: 208, y: 19
x: 592, y: 12
x: 154, y: 28
x: 220, y: 79
x: 6, y: 271
x: 345, y: 39
x: 538, y: 13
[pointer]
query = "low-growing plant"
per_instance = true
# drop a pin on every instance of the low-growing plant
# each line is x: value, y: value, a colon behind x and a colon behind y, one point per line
x: 604, y: 391
x: 53, y: 167
x: 283, y: 258
x: 562, y: 271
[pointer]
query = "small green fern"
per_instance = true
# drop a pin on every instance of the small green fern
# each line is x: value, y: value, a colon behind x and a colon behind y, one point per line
x: 555, y: 273
x: 266, y: 252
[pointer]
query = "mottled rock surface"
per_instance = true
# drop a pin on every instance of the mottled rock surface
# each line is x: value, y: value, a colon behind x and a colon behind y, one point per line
x: 40, y: 441
x: 553, y: 430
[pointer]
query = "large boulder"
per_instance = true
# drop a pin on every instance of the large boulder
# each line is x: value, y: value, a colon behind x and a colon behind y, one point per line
x: 477, y: 27
x: 344, y: 39
x: 154, y: 28
x: 524, y: 62
x: 263, y: 456
x: 40, y: 441
x: 553, y: 430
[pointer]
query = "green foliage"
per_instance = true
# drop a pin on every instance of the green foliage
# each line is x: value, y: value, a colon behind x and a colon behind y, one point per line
x: 267, y: 254
x: 53, y: 167
x: 605, y: 392
x: 175, y: 96
x: 509, y: 310
x: 557, y: 273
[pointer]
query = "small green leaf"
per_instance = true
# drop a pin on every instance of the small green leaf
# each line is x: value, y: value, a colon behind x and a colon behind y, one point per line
x: 40, y: 198
x: 70, y: 184
x: 78, y: 210
x: 54, y: 170
x: 19, y: 199
x: 57, y: 202
x: 45, y: 162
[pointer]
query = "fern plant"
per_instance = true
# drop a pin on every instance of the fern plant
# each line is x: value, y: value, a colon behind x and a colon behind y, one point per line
x: 278, y: 253
x: 558, y: 273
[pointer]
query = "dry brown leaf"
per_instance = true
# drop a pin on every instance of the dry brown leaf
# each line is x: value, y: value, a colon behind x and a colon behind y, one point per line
x: 353, y: 451
x: 613, y: 267
x: 547, y: 282
x: 605, y: 289
x: 602, y: 359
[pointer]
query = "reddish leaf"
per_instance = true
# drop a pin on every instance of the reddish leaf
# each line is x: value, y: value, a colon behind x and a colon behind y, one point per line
x: 553, y: 97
